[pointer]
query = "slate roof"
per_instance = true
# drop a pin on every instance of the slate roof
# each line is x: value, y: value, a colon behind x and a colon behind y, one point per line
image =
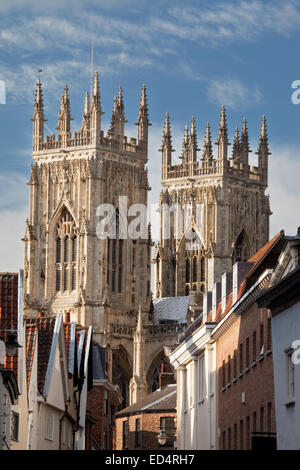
x: 171, y: 308
x: 99, y: 363
x: 159, y: 401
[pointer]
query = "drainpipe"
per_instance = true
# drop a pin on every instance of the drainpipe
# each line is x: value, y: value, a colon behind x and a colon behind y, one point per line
x: 2, y: 416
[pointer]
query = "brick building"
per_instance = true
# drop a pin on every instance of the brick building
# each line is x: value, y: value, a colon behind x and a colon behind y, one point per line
x: 138, y: 425
x: 10, y: 362
x: 224, y: 362
x: 244, y: 361
x: 102, y: 402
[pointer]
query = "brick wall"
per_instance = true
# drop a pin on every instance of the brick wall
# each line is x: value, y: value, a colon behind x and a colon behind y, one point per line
x: 150, y: 428
x: 253, y: 379
x: 102, y: 430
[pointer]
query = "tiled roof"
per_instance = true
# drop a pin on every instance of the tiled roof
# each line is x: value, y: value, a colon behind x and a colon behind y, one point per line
x: 45, y: 328
x: 31, y: 335
x: 161, y: 399
x: 256, y: 259
x: 67, y: 334
x: 9, y: 313
x: 258, y: 256
x: 171, y: 308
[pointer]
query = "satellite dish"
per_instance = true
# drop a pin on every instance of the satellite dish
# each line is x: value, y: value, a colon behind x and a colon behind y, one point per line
x: 2, y: 352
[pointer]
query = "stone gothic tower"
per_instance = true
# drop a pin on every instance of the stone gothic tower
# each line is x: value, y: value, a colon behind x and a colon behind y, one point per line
x: 224, y: 197
x: 68, y: 268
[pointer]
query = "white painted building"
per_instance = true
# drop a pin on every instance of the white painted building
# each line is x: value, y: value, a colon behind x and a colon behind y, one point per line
x: 195, y: 362
x: 283, y: 299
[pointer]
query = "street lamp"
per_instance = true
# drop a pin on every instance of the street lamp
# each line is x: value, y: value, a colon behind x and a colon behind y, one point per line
x: 11, y: 344
x: 162, y: 438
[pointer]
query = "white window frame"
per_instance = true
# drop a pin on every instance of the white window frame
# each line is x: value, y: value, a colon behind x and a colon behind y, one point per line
x: 201, y: 378
x: 49, y: 425
x: 290, y: 376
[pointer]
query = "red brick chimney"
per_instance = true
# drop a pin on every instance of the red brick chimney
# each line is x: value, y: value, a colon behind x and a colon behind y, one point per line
x: 166, y: 376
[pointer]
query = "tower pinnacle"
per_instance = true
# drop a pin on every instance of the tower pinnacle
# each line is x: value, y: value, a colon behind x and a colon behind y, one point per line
x: 143, y: 120
x: 207, y: 156
x: 245, y: 149
x: 38, y: 117
x: 236, y: 148
x: 222, y: 141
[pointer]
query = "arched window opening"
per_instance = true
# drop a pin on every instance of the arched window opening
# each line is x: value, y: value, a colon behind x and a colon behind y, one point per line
x: 195, y: 267
x: 66, y: 254
x: 187, y: 270
x: 241, y: 251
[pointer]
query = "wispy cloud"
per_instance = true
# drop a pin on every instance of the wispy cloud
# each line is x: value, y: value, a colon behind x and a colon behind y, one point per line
x: 244, y: 20
x: 232, y: 92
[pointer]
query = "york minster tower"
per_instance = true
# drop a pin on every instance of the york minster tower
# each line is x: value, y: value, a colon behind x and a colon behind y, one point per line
x: 68, y: 268
x: 229, y: 210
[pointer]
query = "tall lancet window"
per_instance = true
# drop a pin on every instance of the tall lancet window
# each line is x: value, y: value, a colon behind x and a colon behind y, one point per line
x: 115, y: 255
x: 66, y: 254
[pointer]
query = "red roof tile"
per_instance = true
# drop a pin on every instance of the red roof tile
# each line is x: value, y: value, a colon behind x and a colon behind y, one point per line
x: 45, y: 329
x: 256, y: 259
x: 31, y: 335
x: 9, y: 313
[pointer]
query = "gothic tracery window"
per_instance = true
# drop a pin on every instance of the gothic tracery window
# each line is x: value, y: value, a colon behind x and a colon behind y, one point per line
x: 66, y: 254
x: 194, y: 271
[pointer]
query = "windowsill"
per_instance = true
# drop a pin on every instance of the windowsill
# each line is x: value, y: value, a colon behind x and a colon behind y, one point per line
x: 241, y: 375
x: 254, y: 363
x: 291, y: 403
x: 228, y: 385
x: 261, y: 358
x: 223, y: 389
x: 15, y: 440
x: 201, y: 402
x: 269, y: 352
x: 48, y: 439
x: 234, y: 380
x: 247, y: 370
x: 211, y: 395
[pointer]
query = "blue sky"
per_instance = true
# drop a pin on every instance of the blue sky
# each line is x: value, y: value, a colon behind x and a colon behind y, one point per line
x: 193, y: 56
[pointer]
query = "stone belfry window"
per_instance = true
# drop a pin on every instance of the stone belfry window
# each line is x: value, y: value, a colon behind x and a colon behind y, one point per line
x: 115, y: 255
x: 66, y: 254
x: 194, y: 271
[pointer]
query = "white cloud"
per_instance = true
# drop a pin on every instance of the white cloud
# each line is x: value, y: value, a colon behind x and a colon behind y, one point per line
x: 232, y: 92
x: 11, y: 245
x: 284, y: 170
x: 243, y: 20
x: 13, y: 214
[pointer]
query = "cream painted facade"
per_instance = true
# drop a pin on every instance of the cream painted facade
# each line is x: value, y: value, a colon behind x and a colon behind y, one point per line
x: 195, y: 363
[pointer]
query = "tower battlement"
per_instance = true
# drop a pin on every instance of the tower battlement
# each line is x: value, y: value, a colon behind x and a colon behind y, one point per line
x: 236, y: 166
x: 90, y: 134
